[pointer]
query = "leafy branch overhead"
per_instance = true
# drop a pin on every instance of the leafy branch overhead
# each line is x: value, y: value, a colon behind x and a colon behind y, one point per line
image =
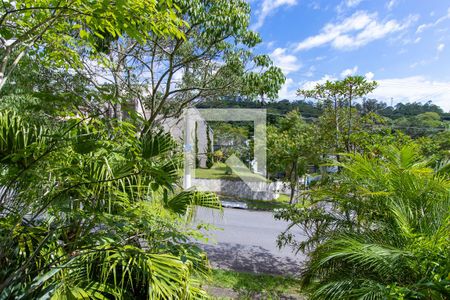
x: 153, y: 56
x: 54, y: 30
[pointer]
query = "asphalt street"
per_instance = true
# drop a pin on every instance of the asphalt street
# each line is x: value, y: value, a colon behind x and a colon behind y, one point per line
x: 246, y: 241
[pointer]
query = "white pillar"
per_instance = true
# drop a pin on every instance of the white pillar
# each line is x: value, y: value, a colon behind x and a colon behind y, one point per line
x: 189, y: 160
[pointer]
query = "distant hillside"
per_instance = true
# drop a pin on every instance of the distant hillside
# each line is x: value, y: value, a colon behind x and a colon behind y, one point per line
x: 311, y: 109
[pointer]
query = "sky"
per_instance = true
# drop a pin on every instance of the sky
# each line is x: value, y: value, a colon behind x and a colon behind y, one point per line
x: 402, y: 44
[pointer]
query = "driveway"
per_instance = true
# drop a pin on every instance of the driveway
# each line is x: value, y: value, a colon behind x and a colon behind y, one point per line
x: 247, y: 242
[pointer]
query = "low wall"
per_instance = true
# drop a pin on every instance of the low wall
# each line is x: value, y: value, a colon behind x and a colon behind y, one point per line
x: 238, y: 188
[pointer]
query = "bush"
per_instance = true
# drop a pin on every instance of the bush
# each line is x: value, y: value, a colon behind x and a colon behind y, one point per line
x: 97, y: 217
x: 379, y: 230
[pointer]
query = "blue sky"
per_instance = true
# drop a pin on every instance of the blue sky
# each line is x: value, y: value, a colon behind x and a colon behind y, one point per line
x: 402, y: 44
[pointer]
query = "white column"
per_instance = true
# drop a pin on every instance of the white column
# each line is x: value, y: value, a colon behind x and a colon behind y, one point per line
x: 189, y: 160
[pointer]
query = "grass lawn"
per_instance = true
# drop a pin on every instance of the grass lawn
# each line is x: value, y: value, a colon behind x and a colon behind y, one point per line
x: 215, y: 172
x: 249, y: 285
x: 281, y: 202
x: 219, y: 171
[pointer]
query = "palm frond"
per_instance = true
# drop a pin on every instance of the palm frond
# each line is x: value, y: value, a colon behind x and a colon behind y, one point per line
x: 383, y: 229
x: 19, y: 140
x: 184, y: 200
x: 155, y: 144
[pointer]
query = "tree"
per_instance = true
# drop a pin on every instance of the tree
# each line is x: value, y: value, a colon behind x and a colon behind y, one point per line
x: 416, y: 108
x: 164, y: 75
x: 338, y: 98
x: 291, y: 148
x: 424, y: 124
x: 442, y: 141
x: 378, y: 230
x: 232, y: 138
x: 52, y: 30
x: 371, y: 132
x: 275, y: 108
x: 371, y: 106
x: 89, y: 210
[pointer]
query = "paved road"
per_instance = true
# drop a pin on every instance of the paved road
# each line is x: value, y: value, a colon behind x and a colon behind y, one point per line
x: 248, y: 242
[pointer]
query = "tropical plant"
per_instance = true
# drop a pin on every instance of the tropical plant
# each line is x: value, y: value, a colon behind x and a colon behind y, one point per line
x: 91, y: 210
x: 379, y: 230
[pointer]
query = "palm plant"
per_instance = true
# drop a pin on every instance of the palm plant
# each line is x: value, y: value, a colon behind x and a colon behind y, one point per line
x: 92, y: 211
x: 380, y: 230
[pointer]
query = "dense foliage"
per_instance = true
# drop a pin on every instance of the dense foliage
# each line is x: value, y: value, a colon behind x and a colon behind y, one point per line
x: 90, y: 202
x: 292, y: 148
x: 52, y: 31
x: 232, y: 138
x: 91, y: 210
x: 312, y: 110
x: 377, y: 230
x: 156, y: 56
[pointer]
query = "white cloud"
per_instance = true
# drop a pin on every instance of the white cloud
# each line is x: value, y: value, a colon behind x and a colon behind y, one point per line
x: 347, y: 4
x: 352, y: 3
x: 268, y: 7
x: 390, y: 5
x: 270, y: 44
x: 422, y: 27
x: 406, y: 89
x: 288, y: 63
x: 369, y: 75
x: 309, y: 85
x: 422, y: 63
x: 440, y: 47
x: 310, y: 72
x: 406, y: 41
x: 426, y: 26
x: 286, y: 91
x: 355, y: 31
x: 349, y: 72
x: 314, y: 5
x: 413, y: 89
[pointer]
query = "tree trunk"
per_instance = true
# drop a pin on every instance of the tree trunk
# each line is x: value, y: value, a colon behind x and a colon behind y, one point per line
x: 294, y: 181
x: 117, y: 107
x: 336, y: 119
x: 347, y: 142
